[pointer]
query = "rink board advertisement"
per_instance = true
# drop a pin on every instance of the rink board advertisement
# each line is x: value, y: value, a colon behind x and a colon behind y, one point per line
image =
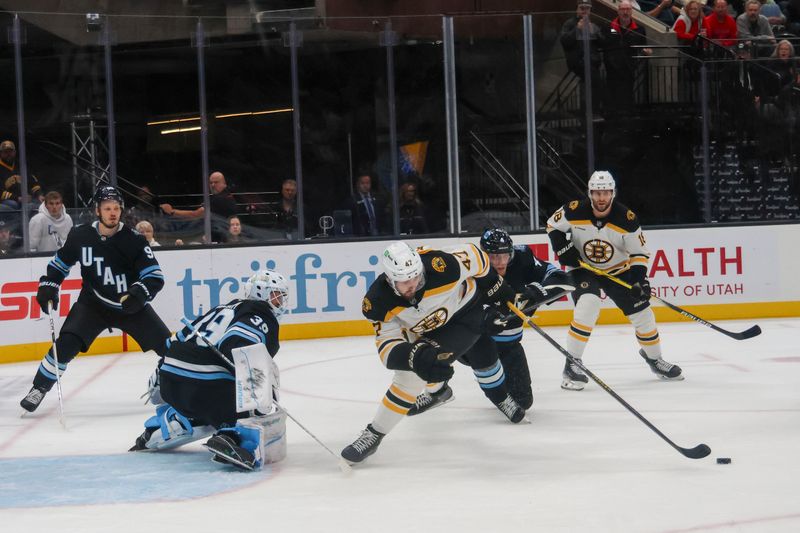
x: 717, y: 273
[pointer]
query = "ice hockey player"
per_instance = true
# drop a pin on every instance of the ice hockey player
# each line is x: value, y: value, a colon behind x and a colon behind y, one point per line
x: 605, y: 234
x: 427, y: 310
x: 202, y: 391
x: 536, y: 283
x: 120, y: 277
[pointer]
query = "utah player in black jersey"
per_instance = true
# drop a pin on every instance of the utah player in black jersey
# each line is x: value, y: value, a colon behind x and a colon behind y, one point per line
x: 199, y: 387
x: 427, y: 311
x: 536, y: 283
x: 120, y: 277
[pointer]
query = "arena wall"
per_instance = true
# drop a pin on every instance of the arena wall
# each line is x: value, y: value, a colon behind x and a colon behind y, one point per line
x: 716, y: 273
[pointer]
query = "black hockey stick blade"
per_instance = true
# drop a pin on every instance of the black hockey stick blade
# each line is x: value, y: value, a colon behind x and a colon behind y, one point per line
x: 698, y: 452
x: 748, y: 333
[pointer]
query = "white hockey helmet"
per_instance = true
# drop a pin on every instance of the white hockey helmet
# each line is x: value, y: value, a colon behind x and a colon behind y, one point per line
x: 602, y: 180
x: 271, y: 287
x: 402, y: 263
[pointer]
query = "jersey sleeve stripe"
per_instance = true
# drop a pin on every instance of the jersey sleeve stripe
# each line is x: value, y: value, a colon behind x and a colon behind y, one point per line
x: 393, y: 312
x: 149, y: 269
x: 236, y: 332
x: 386, y: 349
x: 482, y: 260
x: 251, y: 329
x: 438, y: 290
x: 617, y: 228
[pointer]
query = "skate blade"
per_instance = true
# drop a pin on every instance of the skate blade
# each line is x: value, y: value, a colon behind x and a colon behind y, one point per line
x: 665, y: 378
x: 525, y: 420
x: 572, y: 385
x: 221, y: 458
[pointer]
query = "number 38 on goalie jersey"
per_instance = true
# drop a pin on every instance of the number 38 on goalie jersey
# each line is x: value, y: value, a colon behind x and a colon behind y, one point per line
x: 454, y: 278
x: 234, y: 325
x: 613, y: 243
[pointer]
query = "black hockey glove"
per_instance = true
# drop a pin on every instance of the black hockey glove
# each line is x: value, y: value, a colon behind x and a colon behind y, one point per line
x: 426, y: 361
x: 134, y: 300
x: 47, y: 293
x: 535, y: 294
x: 496, y: 320
x: 500, y: 292
x: 558, y: 279
x: 568, y: 255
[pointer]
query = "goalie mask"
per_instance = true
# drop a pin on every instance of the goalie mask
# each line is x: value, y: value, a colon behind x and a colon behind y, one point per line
x: 402, y: 264
x: 602, y: 180
x: 271, y: 287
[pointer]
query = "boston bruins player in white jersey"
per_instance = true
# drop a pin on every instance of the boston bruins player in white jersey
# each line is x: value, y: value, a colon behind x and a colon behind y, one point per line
x: 605, y: 234
x: 427, y: 310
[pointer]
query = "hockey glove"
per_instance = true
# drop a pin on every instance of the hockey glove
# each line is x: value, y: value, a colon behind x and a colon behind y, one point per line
x: 568, y: 255
x: 47, y: 293
x: 134, y: 300
x: 426, y: 361
x: 500, y: 292
x: 496, y: 321
x: 558, y: 279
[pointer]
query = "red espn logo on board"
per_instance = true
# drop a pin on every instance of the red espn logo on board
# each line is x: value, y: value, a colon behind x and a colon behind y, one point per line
x: 23, y: 303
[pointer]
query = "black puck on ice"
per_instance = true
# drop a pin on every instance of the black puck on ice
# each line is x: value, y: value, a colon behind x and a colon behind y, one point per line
x: 723, y: 460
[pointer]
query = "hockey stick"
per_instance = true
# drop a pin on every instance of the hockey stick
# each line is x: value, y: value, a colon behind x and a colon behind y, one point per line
x: 343, y: 466
x: 698, y: 452
x: 739, y: 336
x: 61, y: 418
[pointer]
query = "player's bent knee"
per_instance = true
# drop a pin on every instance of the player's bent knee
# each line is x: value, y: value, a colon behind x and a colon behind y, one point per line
x: 68, y: 345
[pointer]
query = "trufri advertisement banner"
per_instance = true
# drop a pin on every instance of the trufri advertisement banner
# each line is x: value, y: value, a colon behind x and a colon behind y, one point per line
x: 688, y: 267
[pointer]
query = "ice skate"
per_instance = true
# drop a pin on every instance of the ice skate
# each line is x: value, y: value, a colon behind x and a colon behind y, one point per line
x: 662, y: 368
x: 428, y: 400
x: 226, y: 451
x: 573, y: 377
x: 32, y: 400
x: 365, y: 445
x: 141, y: 441
x: 512, y: 410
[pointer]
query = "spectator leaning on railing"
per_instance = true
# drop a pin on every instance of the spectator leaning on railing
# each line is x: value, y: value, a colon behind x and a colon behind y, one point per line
x: 754, y: 29
x: 49, y: 227
x: 721, y: 27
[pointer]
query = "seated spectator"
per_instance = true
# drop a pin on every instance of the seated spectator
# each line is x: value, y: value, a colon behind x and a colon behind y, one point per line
x: 720, y: 26
x: 10, y: 241
x: 777, y: 102
x: 773, y: 12
x: 146, y: 229
x: 663, y: 10
x: 234, y: 234
x: 287, y: 209
x: 689, y: 25
x: 11, y: 196
x: 368, y: 210
x: 143, y: 207
x: 222, y: 204
x: 792, y: 10
x: 754, y: 29
x: 49, y: 227
x: 412, y: 211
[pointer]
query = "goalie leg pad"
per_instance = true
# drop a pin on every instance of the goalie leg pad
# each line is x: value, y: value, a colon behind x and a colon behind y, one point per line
x: 169, y: 429
x: 253, y: 442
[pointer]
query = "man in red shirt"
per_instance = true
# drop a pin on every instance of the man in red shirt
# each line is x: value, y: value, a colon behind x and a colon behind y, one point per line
x: 720, y: 26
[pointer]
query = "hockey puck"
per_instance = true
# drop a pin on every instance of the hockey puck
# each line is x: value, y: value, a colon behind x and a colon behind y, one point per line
x: 723, y: 460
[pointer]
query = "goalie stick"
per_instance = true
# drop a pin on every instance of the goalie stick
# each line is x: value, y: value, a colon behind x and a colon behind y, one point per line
x: 739, y: 336
x: 698, y: 452
x: 343, y: 466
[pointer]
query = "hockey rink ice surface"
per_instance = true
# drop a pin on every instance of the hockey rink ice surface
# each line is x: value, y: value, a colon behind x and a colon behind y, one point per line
x: 583, y: 464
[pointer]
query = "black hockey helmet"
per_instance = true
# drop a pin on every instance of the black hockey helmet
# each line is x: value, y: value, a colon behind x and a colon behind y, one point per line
x: 107, y: 192
x: 497, y: 241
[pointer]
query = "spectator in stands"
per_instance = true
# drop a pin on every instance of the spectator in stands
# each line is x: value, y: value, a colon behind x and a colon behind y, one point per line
x: 773, y: 12
x: 146, y: 229
x: 720, y: 26
x: 287, y: 209
x: 11, y: 196
x: 572, y: 39
x: 690, y: 25
x: 222, y: 204
x: 777, y: 103
x: 234, y: 234
x: 368, y: 209
x: 49, y: 227
x: 413, y: 219
x: 754, y: 29
x: 663, y: 10
x: 143, y: 207
x: 792, y: 10
x: 624, y: 39
x: 10, y: 242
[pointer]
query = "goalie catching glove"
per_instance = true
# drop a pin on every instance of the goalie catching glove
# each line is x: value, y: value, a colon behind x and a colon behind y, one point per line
x: 428, y: 361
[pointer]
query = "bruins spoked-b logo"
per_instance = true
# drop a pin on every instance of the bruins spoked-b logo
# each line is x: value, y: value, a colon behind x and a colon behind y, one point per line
x: 432, y: 321
x: 438, y: 264
x: 366, y: 305
x: 598, y: 251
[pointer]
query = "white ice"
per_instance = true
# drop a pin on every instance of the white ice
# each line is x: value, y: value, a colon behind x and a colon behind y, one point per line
x: 584, y: 464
